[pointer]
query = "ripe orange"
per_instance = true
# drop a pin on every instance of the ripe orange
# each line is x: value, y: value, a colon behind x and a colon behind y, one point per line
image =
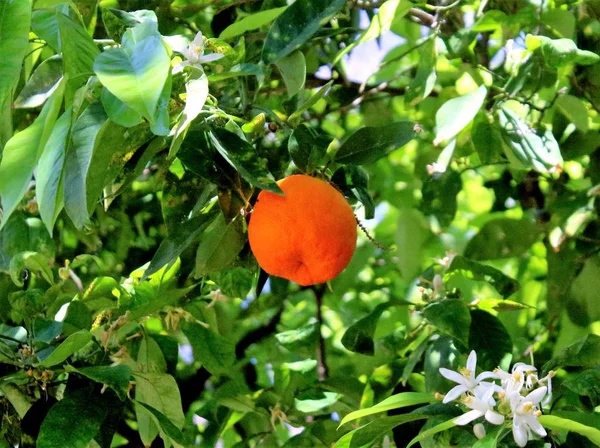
x: 307, y: 236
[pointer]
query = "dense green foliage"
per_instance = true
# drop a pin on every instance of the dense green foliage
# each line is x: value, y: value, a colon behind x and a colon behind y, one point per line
x: 132, y: 311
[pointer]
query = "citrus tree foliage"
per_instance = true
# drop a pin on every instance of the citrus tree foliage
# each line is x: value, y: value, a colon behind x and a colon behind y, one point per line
x: 135, y: 137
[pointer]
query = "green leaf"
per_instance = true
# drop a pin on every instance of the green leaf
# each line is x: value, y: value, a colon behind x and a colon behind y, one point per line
x: 574, y: 110
x: 369, y: 144
x: 555, y: 423
x: 32, y: 261
x: 309, y: 406
x: 359, y: 336
x: 137, y: 72
x: 306, y: 335
x: 68, y: 347
x: 527, y: 148
x: 21, y: 154
x: 487, y: 140
x: 243, y: 157
x: 396, y: 401
x: 439, y: 196
x: 215, y: 352
x: 78, y: 51
x: 158, y: 391
x: 441, y: 352
x: 496, y: 344
x: 504, y: 284
x: 296, y: 25
x: 117, y: 21
x: 115, y: 377
x: 293, y: 71
x: 238, y: 70
x: 307, y: 147
x: 78, y: 317
x: 167, y: 429
x: 562, y: 22
x: 424, y: 81
x: 84, y: 134
x: 353, y: 182
x: 113, y: 147
x: 196, y: 90
x: 150, y: 357
x: 367, y: 435
x: 587, y: 384
x: 42, y: 83
x: 489, y: 441
x: 72, y: 422
x: 118, y: 111
x: 502, y: 238
x: 179, y: 239
x: 457, y: 113
x: 49, y: 181
x: 15, y: 20
x: 450, y: 316
x: 412, y: 234
x: 158, y: 301
x: 432, y: 431
x: 388, y: 12
x: 585, y: 418
x: 585, y: 353
x: 251, y: 22
x: 18, y: 399
x: 559, y: 52
x: 220, y: 245
x: 323, y: 91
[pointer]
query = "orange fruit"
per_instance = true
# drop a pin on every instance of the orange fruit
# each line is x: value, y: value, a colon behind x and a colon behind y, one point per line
x: 307, y: 236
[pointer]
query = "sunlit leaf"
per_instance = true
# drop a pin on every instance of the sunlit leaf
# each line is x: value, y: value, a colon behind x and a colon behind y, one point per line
x: 296, y: 25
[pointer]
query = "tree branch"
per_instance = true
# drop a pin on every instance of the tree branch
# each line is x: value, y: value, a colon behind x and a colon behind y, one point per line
x: 322, y: 370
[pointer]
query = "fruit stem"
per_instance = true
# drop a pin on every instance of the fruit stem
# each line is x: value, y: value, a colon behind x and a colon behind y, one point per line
x: 370, y: 238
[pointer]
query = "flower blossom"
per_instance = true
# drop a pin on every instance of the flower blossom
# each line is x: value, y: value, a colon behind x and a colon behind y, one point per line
x: 521, y: 395
x: 525, y: 413
x: 466, y: 379
x: 194, y: 54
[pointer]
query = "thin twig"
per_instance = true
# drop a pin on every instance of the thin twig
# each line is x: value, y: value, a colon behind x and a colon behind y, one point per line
x: 423, y: 17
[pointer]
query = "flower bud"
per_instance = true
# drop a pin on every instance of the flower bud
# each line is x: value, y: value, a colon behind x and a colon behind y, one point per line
x: 479, y: 431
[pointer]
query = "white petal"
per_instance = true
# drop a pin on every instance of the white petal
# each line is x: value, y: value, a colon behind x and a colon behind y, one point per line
x: 535, y: 425
x: 520, y: 434
x: 198, y: 40
x: 179, y: 67
x: 494, y: 418
x: 452, y: 375
x: 515, y: 399
x: 472, y: 362
x: 454, y: 393
x: 548, y: 398
x: 536, y: 396
x: 486, y: 375
x: 210, y: 57
x: 522, y: 367
x: 467, y: 418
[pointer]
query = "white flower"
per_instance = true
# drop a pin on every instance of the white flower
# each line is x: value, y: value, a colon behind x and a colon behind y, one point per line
x: 465, y: 378
x: 481, y: 406
x: 194, y: 53
x: 525, y: 413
